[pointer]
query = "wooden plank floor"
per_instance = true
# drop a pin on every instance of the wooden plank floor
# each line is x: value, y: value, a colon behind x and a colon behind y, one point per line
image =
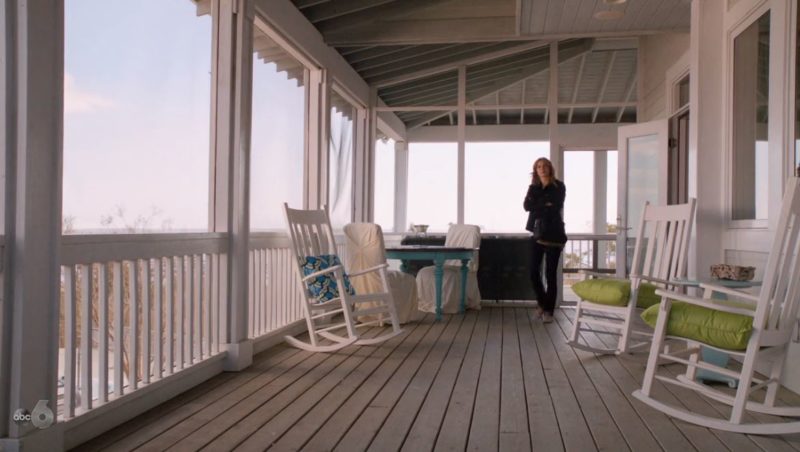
x: 495, y: 379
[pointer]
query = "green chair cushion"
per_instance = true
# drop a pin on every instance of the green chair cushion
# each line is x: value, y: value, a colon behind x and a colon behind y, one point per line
x: 709, y: 326
x: 615, y: 292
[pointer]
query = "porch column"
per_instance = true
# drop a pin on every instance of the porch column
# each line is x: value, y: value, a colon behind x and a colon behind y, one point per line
x: 318, y: 111
x: 33, y: 81
x: 400, y: 186
x: 555, y: 142
x: 365, y: 136
x: 600, y: 200
x: 230, y: 136
x: 706, y: 139
x: 462, y: 136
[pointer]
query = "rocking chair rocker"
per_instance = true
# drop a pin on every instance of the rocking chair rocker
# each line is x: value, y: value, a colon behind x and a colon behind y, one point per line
x: 330, y: 301
x: 756, y: 328
x: 659, y: 256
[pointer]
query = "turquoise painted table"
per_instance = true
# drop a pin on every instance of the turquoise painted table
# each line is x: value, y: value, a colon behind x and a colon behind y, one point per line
x: 710, y: 355
x: 438, y: 254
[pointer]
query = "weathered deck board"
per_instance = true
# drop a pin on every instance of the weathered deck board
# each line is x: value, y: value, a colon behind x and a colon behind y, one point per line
x: 496, y: 379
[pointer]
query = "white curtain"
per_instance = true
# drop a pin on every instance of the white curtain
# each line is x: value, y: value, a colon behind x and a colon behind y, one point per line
x: 340, y: 175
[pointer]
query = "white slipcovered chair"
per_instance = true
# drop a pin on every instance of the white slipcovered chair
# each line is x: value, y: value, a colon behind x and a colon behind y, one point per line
x: 366, y: 249
x: 459, y: 235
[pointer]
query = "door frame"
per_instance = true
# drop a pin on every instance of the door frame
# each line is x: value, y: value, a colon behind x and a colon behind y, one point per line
x: 659, y: 127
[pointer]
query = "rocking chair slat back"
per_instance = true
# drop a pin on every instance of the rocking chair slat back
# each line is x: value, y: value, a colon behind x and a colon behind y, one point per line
x: 778, y: 300
x: 666, y: 239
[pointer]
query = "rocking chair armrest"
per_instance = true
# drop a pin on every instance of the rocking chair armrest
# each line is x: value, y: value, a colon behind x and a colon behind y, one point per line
x: 654, y: 279
x: 703, y: 302
x: 599, y: 275
x: 368, y: 270
x: 323, y: 272
x: 729, y: 291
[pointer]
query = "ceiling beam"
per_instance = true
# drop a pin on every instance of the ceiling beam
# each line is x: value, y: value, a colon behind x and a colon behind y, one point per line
x: 578, y: 80
x: 628, y: 96
x: 303, y: 4
x: 604, y: 85
x: 413, y: 53
x: 451, y: 64
x: 443, y: 60
x: 375, y: 15
x: 370, y: 52
x: 509, y: 80
x: 339, y: 8
x: 523, y: 98
x: 458, y: 30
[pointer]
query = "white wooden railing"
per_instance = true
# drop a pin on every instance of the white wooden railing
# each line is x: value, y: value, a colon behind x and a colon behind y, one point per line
x: 156, y: 304
x: 275, y: 297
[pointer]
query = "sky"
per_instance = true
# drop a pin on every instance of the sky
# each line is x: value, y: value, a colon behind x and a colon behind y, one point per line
x: 136, y: 137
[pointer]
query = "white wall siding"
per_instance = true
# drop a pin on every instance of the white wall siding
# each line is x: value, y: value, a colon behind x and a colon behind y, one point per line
x: 658, y: 52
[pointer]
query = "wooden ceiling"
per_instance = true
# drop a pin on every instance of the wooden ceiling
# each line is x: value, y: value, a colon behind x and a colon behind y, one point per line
x: 411, y: 49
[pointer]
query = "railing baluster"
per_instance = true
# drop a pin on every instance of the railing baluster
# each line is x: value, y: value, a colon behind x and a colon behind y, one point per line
x: 147, y: 332
x: 197, y: 305
x: 180, y: 302
x: 133, y: 316
x: 169, y: 299
x: 214, y: 272
x: 206, y: 297
x: 102, y: 303
x: 223, y: 284
x: 69, y: 341
x: 159, y: 327
x: 119, y: 332
x: 188, y: 295
x: 86, y: 337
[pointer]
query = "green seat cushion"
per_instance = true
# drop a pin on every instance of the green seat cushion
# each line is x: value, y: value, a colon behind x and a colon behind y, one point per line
x: 615, y: 292
x: 709, y: 326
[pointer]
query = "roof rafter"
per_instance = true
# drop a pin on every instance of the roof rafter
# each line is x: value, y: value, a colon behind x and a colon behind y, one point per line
x: 604, y: 85
x: 454, y: 63
x: 339, y: 8
x: 374, y: 14
x: 523, y: 73
x: 578, y: 80
x: 628, y: 96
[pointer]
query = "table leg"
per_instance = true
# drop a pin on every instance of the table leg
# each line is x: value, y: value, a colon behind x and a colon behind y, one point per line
x: 464, y: 271
x: 439, y: 273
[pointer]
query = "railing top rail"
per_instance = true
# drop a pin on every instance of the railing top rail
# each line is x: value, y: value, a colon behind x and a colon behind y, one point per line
x: 91, y: 248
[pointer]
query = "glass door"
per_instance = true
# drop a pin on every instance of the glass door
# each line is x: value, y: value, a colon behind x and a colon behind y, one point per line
x: 642, y: 176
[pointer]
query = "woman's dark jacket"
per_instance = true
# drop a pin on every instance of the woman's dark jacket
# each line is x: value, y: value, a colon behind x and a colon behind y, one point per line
x: 545, y: 203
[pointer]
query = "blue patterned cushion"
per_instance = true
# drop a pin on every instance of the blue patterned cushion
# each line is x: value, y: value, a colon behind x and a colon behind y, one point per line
x: 324, y: 287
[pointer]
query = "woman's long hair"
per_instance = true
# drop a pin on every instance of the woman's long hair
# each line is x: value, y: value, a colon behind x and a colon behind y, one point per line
x: 549, y: 164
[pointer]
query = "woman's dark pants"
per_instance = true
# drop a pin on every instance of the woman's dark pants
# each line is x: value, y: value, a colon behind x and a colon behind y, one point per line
x: 545, y: 297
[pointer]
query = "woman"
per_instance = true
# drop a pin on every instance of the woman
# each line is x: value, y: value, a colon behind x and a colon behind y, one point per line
x: 544, y: 201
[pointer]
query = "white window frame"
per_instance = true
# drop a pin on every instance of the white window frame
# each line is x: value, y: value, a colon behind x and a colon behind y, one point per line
x: 738, y: 19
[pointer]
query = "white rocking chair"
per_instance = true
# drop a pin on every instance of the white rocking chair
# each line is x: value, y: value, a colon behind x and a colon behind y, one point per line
x: 327, y: 288
x: 769, y: 318
x: 660, y: 255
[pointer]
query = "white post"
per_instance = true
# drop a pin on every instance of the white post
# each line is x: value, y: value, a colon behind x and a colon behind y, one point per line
x: 34, y: 76
x: 365, y: 136
x: 371, y: 138
x: 231, y: 102
x: 317, y: 132
x: 556, y: 153
x: 706, y: 141
x: 600, y: 200
x: 462, y: 133
x: 400, y: 186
